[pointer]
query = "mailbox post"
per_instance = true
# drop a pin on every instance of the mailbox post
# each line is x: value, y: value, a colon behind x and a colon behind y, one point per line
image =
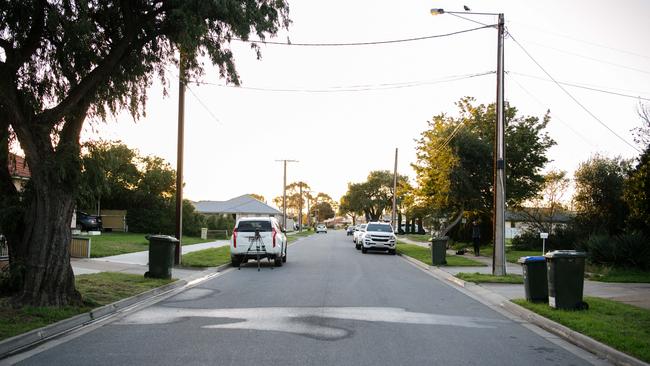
x: 543, y: 236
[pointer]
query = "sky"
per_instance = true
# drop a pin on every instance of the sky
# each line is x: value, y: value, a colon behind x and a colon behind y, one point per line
x: 342, y: 111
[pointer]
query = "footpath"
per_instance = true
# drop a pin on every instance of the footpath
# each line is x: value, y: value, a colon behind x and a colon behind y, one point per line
x: 137, y: 263
x: 637, y: 294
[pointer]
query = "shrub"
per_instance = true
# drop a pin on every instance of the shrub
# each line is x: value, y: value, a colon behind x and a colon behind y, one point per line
x: 625, y: 250
x: 564, y: 238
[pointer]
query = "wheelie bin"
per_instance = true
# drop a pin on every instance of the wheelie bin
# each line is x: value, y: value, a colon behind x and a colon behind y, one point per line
x: 439, y: 250
x: 535, y: 278
x: 566, y: 272
x: 161, y: 256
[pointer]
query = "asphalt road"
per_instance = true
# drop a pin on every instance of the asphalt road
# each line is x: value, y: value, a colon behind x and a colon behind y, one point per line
x: 329, y: 305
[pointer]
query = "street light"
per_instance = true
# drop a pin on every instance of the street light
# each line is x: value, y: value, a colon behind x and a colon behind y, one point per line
x: 499, y: 256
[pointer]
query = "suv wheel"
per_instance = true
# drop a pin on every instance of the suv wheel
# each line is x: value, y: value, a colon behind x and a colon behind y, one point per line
x: 358, y: 246
x: 364, y: 250
x: 278, y: 261
x: 235, y: 261
x: 391, y: 252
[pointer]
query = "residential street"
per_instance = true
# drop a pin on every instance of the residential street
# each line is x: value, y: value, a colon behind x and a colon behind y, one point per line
x: 328, y: 305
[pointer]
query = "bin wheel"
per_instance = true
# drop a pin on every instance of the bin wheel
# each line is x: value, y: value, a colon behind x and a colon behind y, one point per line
x: 146, y: 274
x: 583, y: 306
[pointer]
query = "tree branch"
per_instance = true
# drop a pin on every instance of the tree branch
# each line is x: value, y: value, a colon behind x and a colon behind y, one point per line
x: 20, y: 55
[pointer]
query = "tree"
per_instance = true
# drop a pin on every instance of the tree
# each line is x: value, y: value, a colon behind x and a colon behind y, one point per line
x: 598, y: 196
x: 637, y: 194
x: 258, y: 197
x: 65, y: 61
x: 371, y: 197
x: 322, y: 211
x: 541, y: 210
x: 454, y: 164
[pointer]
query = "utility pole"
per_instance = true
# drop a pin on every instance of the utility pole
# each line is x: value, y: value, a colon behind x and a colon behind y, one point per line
x: 284, y: 192
x: 179, y: 158
x: 300, y: 215
x: 393, y: 216
x: 499, y: 256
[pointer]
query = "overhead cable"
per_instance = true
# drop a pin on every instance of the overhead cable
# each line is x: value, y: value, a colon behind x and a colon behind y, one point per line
x: 370, y: 43
x: 574, y: 98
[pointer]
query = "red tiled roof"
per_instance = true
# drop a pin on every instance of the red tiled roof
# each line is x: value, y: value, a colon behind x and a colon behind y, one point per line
x: 18, y: 166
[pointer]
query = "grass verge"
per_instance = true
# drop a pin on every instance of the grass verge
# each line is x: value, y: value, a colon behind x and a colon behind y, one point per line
x: 612, y: 274
x: 488, y: 278
x: 96, y: 290
x: 424, y: 238
x: 211, y: 257
x: 621, y: 326
x: 511, y: 255
x: 423, y: 254
x: 293, y: 237
x: 109, y: 244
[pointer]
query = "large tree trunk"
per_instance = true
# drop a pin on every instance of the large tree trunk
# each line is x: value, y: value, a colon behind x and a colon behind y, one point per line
x: 42, y: 257
x: 399, y: 223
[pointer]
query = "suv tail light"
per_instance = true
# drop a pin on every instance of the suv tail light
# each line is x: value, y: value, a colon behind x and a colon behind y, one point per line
x: 274, y: 234
x: 234, y: 238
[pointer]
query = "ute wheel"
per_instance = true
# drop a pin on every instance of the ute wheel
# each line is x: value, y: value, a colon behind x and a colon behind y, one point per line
x: 235, y: 261
x: 277, y: 261
x: 364, y: 250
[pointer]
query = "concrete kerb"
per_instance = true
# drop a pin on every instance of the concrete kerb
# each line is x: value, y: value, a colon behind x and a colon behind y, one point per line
x: 35, y: 337
x: 587, y: 343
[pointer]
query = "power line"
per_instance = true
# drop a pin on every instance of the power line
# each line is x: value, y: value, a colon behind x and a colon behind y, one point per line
x: 582, y: 86
x: 203, y: 105
x: 556, y: 117
x: 542, y: 30
x: 591, y: 58
x: 370, y: 43
x: 354, y: 88
x: 572, y: 97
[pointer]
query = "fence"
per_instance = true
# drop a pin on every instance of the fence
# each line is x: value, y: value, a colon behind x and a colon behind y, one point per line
x: 217, y: 234
x: 80, y: 247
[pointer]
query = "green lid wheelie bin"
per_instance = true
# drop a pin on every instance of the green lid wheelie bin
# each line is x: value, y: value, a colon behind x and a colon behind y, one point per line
x: 566, y: 272
x: 439, y: 251
x: 161, y: 256
x: 535, y: 279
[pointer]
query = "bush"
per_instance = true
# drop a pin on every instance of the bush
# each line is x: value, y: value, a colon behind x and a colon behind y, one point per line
x: 564, y: 238
x: 625, y: 250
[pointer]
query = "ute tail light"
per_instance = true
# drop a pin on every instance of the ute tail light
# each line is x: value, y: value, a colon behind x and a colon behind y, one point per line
x: 234, y: 238
x: 274, y: 234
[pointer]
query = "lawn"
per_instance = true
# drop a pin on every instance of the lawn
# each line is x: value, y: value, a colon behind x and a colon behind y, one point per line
x: 96, y: 290
x: 293, y: 237
x: 114, y: 243
x: 424, y: 238
x: 611, y: 274
x: 488, y: 278
x: 423, y: 254
x: 603, y: 322
x: 211, y: 257
x: 511, y: 255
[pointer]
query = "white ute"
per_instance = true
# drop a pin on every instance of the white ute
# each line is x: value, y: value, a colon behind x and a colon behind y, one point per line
x: 378, y: 236
x: 246, y: 244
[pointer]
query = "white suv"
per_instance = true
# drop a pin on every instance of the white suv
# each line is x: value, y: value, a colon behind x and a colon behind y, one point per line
x: 321, y: 228
x: 378, y: 236
x: 258, y: 237
x: 358, y: 234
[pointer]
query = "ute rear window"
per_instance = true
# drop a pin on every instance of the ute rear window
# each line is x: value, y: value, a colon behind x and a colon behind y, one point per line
x: 251, y: 226
x: 379, y: 227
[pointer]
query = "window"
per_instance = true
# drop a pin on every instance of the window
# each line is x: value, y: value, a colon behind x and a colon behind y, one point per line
x: 379, y: 227
x: 251, y: 226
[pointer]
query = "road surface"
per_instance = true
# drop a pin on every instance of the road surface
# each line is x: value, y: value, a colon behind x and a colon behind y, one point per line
x: 328, y: 305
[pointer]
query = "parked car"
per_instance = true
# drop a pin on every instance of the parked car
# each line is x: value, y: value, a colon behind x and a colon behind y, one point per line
x: 88, y: 222
x: 258, y: 236
x: 350, y: 230
x: 357, y: 234
x: 321, y: 228
x: 378, y: 236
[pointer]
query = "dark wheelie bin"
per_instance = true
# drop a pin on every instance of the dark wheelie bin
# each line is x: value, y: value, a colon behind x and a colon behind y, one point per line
x: 566, y: 272
x: 535, y: 279
x: 161, y: 256
x: 439, y: 250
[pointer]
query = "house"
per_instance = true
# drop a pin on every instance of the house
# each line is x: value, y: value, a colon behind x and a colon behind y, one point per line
x: 242, y: 206
x: 517, y: 222
x: 19, y: 171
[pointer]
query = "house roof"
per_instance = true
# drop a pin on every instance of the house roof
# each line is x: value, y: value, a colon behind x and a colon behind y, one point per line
x: 18, y: 166
x: 244, y: 204
x: 562, y: 216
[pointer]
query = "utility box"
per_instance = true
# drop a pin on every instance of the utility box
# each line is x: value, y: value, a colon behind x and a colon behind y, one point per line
x: 535, y: 278
x: 439, y: 250
x: 161, y: 256
x: 566, y: 278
